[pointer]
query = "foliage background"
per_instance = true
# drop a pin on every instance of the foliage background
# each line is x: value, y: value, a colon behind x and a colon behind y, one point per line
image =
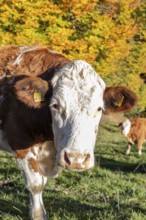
x: 109, y: 34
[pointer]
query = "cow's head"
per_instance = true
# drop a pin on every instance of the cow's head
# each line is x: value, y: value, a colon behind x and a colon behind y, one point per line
x: 78, y: 100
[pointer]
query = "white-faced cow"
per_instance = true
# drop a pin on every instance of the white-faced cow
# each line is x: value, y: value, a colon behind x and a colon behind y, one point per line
x: 135, y: 131
x: 50, y: 110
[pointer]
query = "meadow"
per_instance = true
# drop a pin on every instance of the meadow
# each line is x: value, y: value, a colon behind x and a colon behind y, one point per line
x: 115, y: 189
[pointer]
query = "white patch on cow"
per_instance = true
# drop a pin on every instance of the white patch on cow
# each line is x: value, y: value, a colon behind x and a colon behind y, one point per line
x: 76, y: 108
x: 4, y: 143
x: 34, y: 178
x: 125, y: 127
x: 127, y: 152
x: 35, y: 183
x: 139, y: 152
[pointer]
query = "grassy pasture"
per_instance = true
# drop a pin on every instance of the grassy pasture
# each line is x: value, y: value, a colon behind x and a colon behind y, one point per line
x: 114, y: 190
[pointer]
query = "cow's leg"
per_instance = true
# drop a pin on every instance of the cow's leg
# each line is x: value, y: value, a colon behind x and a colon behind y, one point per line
x: 129, y: 148
x: 35, y: 182
x: 139, y: 145
x: 37, y: 210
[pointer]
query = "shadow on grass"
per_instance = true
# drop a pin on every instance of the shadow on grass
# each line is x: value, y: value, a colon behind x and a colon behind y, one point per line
x: 61, y: 207
x: 115, y: 165
x: 73, y: 208
x: 10, y: 170
x: 14, y: 207
x: 69, y: 207
x: 138, y: 209
x: 65, y: 208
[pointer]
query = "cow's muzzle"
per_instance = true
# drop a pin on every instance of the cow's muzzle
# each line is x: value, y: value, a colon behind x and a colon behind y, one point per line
x: 76, y: 161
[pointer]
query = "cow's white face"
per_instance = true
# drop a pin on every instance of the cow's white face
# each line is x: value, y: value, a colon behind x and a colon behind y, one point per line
x: 125, y: 127
x: 76, y: 108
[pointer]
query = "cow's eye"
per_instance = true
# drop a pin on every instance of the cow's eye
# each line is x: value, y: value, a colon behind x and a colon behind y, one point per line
x: 99, y: 109
x: 55, y: 107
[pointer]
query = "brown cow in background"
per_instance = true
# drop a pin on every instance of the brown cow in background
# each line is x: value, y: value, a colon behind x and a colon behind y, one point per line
x: 135, y: 131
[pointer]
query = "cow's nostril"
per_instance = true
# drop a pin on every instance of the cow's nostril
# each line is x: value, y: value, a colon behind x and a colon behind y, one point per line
x: 66, y: 159
x: 87, y: 157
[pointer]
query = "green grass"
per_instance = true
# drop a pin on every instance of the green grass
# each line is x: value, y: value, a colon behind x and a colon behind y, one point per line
x: 114, y: 190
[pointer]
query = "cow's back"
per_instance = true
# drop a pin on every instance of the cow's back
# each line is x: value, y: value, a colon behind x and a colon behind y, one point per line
x: 138, y: 128
x: 30, y: 61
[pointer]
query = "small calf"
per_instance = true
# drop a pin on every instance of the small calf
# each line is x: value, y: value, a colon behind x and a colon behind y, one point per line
x: 135, y: 131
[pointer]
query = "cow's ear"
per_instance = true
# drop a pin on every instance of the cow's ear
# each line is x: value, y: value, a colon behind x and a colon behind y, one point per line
x: 32, y: 91
x: 118, y: 99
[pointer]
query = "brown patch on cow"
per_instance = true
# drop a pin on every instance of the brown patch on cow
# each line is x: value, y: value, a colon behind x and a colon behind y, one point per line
x: 137, y: 130
x: 131, y: 139
x: 25, y: 122
x: 33, y: 61
x: 21, y: 154
x: 34, y: 165
x: 47, y: 159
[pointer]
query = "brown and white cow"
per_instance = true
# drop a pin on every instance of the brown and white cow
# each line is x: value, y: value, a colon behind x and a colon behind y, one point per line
x: 135, y: 131
x: 50, y: 109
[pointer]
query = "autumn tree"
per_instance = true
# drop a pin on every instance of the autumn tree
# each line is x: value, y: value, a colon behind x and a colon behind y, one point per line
x: 109, y: 34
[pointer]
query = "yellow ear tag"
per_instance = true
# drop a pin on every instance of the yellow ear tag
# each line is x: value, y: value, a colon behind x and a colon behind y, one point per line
x: 120, y: 102
x: 38, y: 97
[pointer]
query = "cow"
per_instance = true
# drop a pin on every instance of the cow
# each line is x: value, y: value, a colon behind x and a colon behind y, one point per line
x: 50, y: 109
x: 135, y: 131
